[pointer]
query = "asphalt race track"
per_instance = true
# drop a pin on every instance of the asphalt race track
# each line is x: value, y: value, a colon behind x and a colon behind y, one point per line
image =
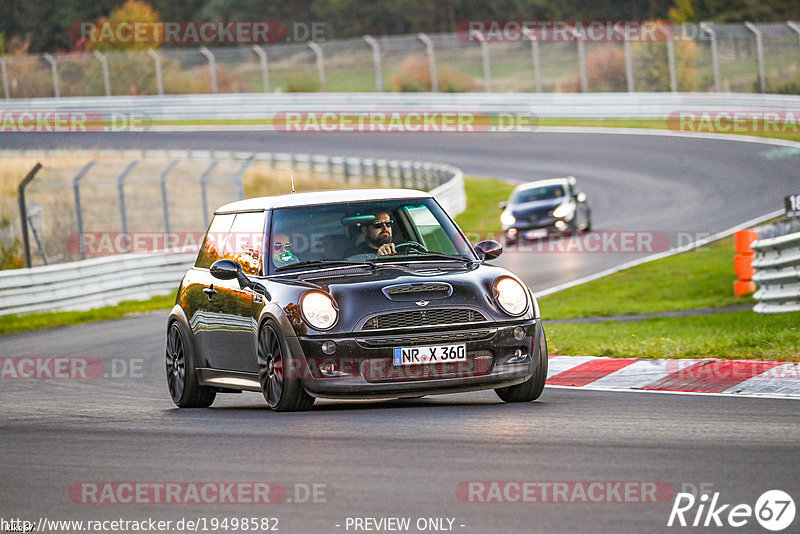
x: 407, y: 458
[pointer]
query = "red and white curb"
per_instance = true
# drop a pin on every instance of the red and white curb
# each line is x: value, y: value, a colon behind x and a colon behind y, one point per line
x: 711, y: 376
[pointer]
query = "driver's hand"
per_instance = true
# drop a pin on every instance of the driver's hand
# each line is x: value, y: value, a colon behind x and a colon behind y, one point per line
x: 386, y: 250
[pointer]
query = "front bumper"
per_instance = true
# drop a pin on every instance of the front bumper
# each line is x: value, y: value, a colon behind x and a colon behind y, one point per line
x: 361, y: 366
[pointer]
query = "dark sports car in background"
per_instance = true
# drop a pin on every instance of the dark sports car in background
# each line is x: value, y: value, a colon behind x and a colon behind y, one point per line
x: 291, y: 296
x: 537, y: 209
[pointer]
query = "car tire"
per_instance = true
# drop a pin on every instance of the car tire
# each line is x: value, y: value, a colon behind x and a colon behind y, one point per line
x: 531, y: 389
x: 282, y: 393
x: 181, y: 369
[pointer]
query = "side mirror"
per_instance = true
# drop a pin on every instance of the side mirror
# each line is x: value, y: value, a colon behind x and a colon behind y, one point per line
x: 225, y: 269
x: 581, y: 197
x: 488, y: 250
x: 229, y: 269
x: 502, y: 205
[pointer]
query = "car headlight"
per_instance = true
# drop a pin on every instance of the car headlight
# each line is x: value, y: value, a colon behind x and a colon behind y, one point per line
x: 319, y: 310
x: 511, y: 296
x: 507, y: 219
x: 564, y: 210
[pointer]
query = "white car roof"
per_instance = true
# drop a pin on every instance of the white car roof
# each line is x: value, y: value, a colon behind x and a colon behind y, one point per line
x: 321, y: 197
x: 550, y: 181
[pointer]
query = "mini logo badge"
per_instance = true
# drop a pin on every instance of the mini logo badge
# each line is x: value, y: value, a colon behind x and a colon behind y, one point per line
x: 422, y: 303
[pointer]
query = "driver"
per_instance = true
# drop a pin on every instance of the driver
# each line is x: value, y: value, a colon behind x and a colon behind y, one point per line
x: 377, y: 237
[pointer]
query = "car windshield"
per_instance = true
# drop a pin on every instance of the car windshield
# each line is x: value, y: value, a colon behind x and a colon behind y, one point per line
x: 534, y: 194
x: 353, y: 231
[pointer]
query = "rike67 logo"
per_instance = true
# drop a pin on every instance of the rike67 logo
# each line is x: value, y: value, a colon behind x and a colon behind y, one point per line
x: 774, y: 510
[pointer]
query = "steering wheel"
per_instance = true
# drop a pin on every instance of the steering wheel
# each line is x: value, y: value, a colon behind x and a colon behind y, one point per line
x: 410, y: 245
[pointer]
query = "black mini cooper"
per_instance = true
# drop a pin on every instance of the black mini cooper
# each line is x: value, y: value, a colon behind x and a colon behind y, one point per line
x: 349, y: 295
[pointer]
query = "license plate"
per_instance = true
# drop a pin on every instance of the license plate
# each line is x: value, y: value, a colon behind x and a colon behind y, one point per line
x: 535, y: 234
x: 422, y: 355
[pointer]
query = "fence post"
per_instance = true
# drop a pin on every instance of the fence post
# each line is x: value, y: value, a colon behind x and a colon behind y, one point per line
x: 23, y: 211
x: 262, y: 58
x: 673, y: 77
x: 320, y: 63
x: 121, y: 194
x: 376, y: 60
x: 163, y: 180
x: 714, y: 56
x: 762, y: 78
x: 537, y: 64
x: 431, y: 61
x: 5, y: 77
x: 204, y: 192
x: 581, y: 61
x: 487, y: 67
x: 212, y: 67
x: 76, y: 189
x: 791, y: 24
x: 626, y: 47
x: 159, y: 76
x: 54, y: 67
x: 104, y: 64
x: 240, y: 175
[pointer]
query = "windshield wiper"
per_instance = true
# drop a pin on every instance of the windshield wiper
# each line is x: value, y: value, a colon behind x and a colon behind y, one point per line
x: 320, y: 263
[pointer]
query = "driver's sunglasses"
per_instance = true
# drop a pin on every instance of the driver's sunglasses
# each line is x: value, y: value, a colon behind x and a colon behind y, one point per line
x: 382, y: 224
x: 285, y: 246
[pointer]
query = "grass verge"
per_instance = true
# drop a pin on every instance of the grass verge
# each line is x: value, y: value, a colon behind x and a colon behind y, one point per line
x: 702, y: 278
x: 37, y: 321
x: 655, y: 124
x: 740, y: 335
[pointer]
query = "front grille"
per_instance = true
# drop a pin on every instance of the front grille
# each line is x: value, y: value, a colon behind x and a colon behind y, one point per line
x: 429, y: 339
x: 478, y: 363
x: 417, y: 288
x: 415, y: 318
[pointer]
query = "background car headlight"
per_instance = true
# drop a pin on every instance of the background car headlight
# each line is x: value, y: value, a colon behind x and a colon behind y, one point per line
x: 507, y: 219
x: 319, y: 310
x: 511, y: 296
x: 564, y: 210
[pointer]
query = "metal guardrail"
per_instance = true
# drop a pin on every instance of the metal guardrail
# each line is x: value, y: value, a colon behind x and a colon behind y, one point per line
x: 96, y: 282
x: 777, y: 268
x: 224, y: 108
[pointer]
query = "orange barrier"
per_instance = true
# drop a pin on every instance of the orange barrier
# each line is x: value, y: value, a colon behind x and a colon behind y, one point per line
x: 742, y: 288
x: 742, y: 240
x: 743, y: 267
x: 742, y: 262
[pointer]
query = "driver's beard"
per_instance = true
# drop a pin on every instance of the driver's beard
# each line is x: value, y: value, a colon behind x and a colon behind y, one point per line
x: 380, y: 240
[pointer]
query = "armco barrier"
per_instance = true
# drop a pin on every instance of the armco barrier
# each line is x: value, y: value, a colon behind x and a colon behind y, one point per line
x: 777, y: 268
x: 219, y: 110
x: 92, y: 283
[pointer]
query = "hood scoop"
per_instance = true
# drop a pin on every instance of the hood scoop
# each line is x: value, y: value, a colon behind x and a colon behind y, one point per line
x: 418, y: 291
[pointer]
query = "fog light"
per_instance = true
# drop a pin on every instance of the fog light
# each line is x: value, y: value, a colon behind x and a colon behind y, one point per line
x: 328, y: 368
x: 511, y: 232
x: 329, y: 347
x: 561, y: 225
x: 519, y: 356
x: 519, y: 333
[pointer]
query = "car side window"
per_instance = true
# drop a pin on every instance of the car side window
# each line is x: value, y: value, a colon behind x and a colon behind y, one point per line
x: 245, y: 242
x: 214, y: 240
